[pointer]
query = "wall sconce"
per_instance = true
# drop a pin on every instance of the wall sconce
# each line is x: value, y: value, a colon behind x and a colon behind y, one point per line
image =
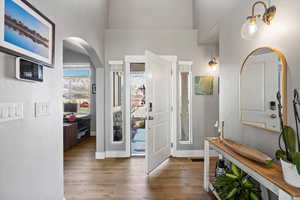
x: 213, y: 64
x: 251, y: 26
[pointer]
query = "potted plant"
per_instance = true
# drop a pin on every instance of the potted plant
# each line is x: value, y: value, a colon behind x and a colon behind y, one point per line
x: 289, y: 155
x: 235, y: 184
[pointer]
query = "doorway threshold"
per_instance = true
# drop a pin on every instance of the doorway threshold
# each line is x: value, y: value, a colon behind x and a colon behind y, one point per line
x: 138, y: 155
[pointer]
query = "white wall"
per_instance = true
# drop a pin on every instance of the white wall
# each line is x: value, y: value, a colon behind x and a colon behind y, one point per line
x: 31, y: 150
x: 208, y: 14
x: 151, y: 14
x: 182, y: 43
x: 283, y: 34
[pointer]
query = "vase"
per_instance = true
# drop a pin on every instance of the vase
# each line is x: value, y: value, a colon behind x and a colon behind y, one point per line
x: 290, y: 174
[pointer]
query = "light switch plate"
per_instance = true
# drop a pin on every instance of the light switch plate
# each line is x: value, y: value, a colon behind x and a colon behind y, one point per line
x: 11, y: 111
x: 42, y: 109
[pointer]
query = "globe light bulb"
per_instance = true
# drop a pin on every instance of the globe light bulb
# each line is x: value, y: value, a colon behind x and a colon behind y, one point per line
x: 250, y: 28
x: 213, y: 65
x: 213, y: 68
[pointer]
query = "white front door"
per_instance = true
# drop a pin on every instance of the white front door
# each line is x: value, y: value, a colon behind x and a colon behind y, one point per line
x: 158, y: 101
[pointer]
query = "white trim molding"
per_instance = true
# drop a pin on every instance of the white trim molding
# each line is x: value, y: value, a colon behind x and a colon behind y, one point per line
x: 100, y: 155
x: 77, y: 65
x: 116, y: 154
x: 188, y: 63
x: 100, y: 108
x: 185, y: 66
x: 116, y: 67
x: 93, y: 133
x: 115, y: 62
x: 194, y: 153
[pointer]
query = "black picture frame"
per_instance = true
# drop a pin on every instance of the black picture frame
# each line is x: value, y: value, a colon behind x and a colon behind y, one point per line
x: 47, y: 42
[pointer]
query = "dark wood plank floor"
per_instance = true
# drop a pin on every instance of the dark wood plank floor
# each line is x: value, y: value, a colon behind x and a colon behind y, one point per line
x: 124, y: 179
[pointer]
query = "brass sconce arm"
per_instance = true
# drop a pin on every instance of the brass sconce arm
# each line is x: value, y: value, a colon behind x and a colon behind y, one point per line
x: 257, y: 3
x: 251, y: 26
x: 268, y: 14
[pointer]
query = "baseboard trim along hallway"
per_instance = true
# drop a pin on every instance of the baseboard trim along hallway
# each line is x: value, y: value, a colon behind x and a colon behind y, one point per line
x: 194, y: 153
x: 100, y: 155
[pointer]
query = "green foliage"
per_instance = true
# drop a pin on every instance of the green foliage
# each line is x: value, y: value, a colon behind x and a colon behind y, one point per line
x: 297, y: 161
x: 269, y: 163
x: 289, y: 138
x: 141, y: 124
x: 289, y: 154
x: 236, y: 185
x: 280, y: 154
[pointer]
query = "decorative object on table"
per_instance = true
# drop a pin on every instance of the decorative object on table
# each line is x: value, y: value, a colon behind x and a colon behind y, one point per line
x: 288, y: 155
x: 204, y: 85
x: 26, y: 32
x: 221, y: 168
x: 254, y: 22
x: 93, y: 88
x: 220, y: 129
x: 249, y: 152
x: 235, y: 184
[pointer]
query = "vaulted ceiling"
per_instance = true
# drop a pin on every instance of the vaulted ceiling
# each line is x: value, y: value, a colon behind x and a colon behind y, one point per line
x: 208, y: 14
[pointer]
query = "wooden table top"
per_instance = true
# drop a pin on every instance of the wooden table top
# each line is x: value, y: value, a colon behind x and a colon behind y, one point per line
x: 272, y: 174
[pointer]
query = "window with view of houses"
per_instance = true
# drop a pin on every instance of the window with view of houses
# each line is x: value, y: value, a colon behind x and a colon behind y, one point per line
x: 77, y: 95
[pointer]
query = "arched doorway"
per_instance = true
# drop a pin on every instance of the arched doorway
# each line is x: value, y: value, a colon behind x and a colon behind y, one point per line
x: 84, y: 87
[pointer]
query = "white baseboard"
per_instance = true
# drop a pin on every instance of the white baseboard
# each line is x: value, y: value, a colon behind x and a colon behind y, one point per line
x: 178, y: 154
x: 116, y: 154
x: 100, y: 155
x: 194, y: 153
x: 93, y: 133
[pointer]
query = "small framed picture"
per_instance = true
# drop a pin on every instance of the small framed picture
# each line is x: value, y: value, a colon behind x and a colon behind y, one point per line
x: 93, y: 88
x: 204, y: 85
x: 26, y: 32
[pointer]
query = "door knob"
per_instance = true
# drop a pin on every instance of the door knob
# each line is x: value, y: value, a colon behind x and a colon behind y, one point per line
x: 150, y: 118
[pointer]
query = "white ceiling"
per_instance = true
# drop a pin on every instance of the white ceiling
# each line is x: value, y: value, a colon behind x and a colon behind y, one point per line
x: 150, y: 14
x: 208, y: 13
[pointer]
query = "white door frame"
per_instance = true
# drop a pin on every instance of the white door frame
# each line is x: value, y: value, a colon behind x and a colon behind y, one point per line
x: 185, y: 66
x: 116, y: 66
x: 142, y: 59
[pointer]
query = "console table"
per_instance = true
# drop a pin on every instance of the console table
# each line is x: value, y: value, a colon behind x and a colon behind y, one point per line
x: 77, y: 131
x: 271, y: 178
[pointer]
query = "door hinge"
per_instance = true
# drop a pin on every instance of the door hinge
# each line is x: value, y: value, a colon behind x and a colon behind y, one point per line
x: 172, y: 109
x: 172, y: 144
x: 171, y: 72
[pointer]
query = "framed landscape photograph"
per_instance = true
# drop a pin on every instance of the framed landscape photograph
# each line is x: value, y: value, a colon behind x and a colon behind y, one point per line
x: 26, y: 32
x: 204, y: 85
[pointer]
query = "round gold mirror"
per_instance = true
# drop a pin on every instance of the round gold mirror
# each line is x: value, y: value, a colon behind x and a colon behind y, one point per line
x: 263, y: 75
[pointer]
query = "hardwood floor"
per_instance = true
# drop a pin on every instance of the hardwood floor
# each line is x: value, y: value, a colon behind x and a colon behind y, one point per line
x: 124, y: 179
